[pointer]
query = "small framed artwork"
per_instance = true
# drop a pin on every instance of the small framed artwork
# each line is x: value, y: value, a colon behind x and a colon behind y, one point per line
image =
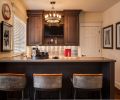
x: 6, y: 31
x: 108, y: 37
x: 118, y: 35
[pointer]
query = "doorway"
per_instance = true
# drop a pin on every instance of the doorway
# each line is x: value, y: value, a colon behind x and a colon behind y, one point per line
x: 90, y: 41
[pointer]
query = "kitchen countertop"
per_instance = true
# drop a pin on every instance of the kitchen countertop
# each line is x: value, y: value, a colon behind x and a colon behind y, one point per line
x: 63, y: 59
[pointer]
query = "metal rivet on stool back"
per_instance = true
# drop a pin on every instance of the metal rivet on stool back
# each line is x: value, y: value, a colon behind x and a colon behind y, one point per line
x: 12, y: 82
x: 47, y: 81
x: 87, y: 81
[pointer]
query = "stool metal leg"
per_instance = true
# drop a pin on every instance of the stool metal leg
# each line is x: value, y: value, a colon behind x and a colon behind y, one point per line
x: 100, y: 94
x: 74, y: 93
x: 7, y: 95
x: 60, y: 94
x: 22, y: 94
x: 35, y: 94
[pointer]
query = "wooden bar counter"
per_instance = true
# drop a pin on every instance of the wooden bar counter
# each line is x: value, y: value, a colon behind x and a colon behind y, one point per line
x: 66, y: 66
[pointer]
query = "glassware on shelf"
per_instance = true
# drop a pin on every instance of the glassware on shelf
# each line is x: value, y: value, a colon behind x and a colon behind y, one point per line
x: 55, y: 40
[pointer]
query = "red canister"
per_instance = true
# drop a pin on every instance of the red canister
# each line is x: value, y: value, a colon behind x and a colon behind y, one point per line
x: 67, y: 53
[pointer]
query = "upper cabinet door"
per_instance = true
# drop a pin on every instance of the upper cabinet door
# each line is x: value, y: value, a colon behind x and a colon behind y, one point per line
x: 34, y: 28
x: 71, y: 27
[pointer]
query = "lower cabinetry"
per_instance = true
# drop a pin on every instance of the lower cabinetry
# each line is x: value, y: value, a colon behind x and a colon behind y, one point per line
x: 67, y: 69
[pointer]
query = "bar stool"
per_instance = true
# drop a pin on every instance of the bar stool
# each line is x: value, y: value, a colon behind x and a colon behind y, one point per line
x: 12, y: 82
x: 87, y: 81
x: 47, y: 82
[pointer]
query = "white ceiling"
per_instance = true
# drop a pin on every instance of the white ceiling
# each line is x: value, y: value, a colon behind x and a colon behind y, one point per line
x: 85, y: 5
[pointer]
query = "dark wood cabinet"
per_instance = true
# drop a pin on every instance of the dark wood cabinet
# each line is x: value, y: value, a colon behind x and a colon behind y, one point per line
x: 34, y: 27
x: 71, y: 27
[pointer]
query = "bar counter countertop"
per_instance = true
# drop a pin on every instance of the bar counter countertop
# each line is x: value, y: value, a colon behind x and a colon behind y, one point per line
x: 63, y: 59
x: 66, y: 66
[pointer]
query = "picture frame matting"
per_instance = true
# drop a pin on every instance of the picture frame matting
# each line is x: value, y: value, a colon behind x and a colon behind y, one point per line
x: 108, y: 37
x: 6, y: 32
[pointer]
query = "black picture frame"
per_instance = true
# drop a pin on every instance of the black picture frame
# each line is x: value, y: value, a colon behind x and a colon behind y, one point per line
x: 108, y: 37
x: 118, y: 35
x: 5, y: 36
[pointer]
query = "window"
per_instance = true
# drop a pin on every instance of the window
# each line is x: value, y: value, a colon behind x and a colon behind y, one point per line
x: 19, y: 38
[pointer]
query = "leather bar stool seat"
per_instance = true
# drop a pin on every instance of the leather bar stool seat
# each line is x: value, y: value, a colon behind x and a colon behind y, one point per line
x: 12, y: 82
x: 87, y: 82
x: 47, y: 82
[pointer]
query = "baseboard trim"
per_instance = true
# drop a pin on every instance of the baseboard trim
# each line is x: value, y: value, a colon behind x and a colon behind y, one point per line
x: 117, y: 85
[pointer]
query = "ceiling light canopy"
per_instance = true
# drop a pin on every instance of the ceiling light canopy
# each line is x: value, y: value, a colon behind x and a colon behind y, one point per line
x: 52, y: 16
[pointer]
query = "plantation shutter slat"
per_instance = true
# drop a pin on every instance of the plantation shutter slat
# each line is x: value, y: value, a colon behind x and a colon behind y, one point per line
x: 19, y: 35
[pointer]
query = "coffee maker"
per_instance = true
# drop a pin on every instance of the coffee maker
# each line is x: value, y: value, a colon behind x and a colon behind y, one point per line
x: 37, y: 54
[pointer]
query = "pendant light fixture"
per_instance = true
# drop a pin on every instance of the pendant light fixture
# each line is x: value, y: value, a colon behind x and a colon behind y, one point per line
x: 52, y: 16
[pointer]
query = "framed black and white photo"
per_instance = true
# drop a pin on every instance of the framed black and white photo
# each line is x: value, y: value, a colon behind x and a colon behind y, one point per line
x: 6, y: 31
x: 118, y: 35
x: 108, y: 37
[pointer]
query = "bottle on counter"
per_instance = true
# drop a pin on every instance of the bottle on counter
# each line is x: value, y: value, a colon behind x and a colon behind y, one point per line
x: 33, y: 53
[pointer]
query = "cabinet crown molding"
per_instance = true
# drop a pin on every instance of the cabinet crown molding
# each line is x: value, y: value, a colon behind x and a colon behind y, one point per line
x: 35, y: 12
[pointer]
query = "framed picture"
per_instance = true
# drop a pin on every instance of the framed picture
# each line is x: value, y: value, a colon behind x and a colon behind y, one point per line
x: 6, y: 31
x: 118, y: 35
x: 108, y: 37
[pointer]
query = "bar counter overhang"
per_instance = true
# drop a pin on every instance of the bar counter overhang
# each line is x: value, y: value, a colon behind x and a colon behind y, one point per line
x: 66, y: 66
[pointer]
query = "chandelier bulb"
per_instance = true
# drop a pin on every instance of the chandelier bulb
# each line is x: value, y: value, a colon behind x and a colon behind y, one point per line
x: 59, y: 16
x: 54, y: 14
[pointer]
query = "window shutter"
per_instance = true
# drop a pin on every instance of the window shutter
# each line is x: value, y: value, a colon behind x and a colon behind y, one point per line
x: 19, y: 38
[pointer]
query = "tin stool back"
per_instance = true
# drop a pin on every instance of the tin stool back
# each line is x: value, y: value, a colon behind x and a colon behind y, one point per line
x: 47, y: 82
x: 87, y: 81
x: 13, y: 82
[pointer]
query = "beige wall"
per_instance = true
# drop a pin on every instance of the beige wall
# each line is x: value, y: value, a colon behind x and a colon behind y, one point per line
x: 17, y: 8
x: 90, y: 17
x: 112, y: 16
